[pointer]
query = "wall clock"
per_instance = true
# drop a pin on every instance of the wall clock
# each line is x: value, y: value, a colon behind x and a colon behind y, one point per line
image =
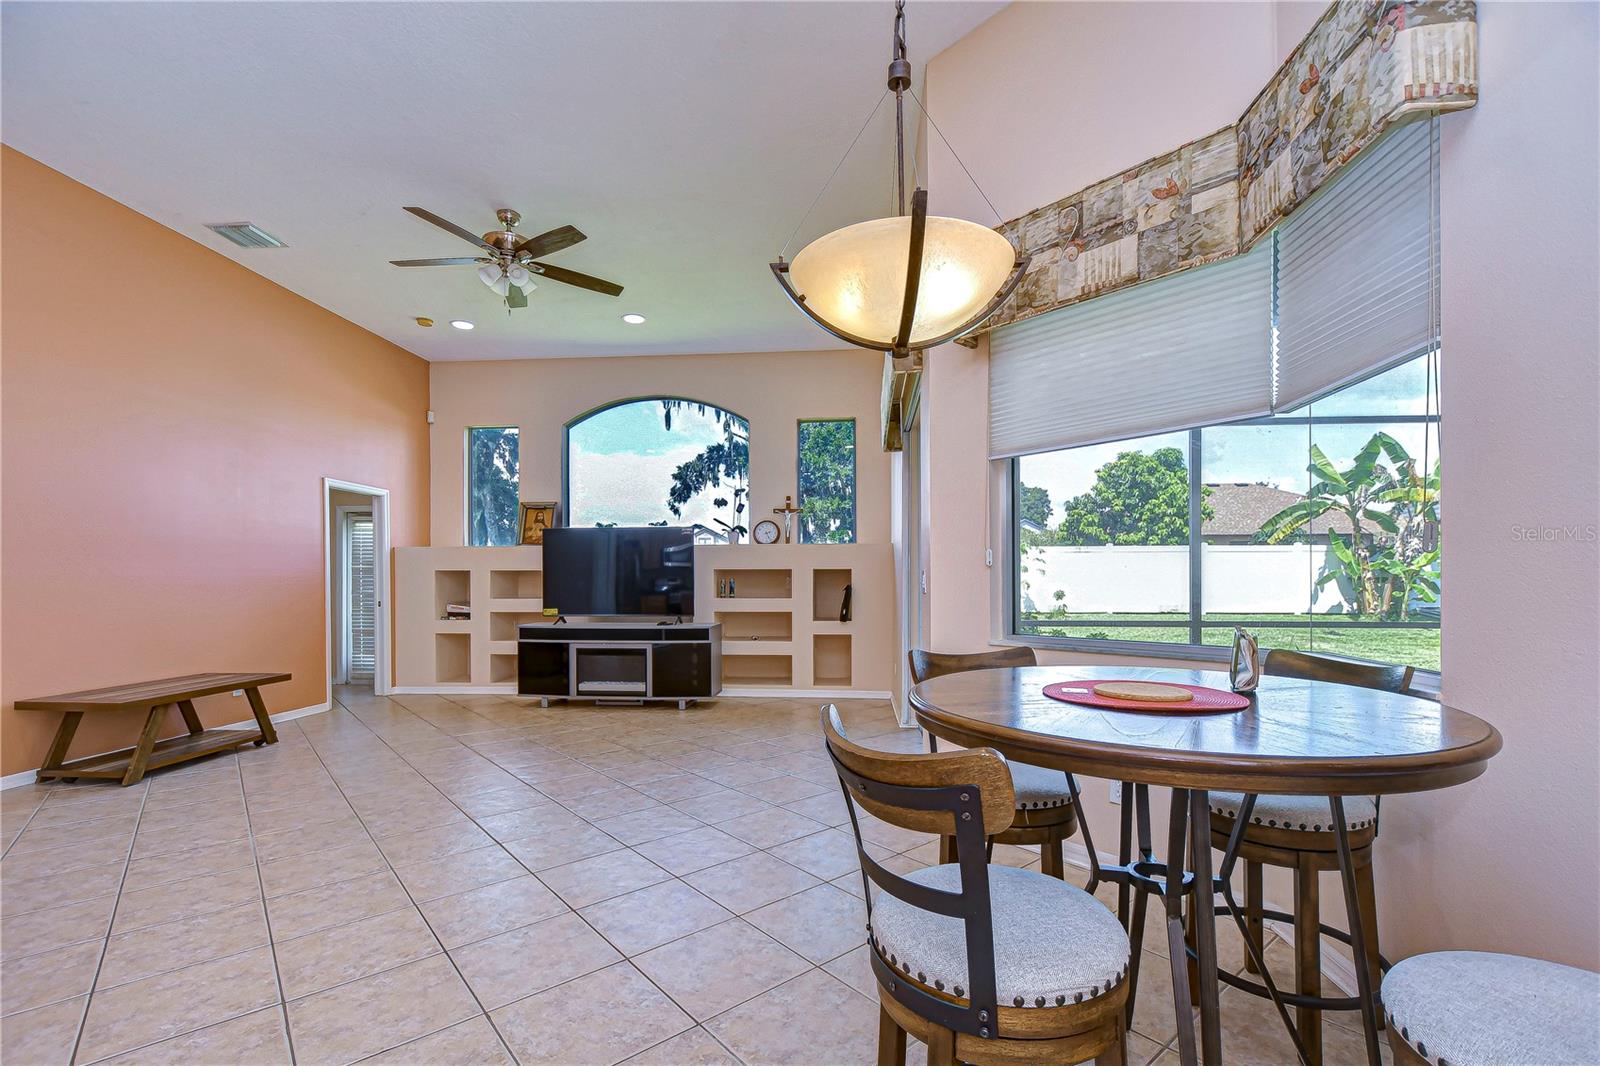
x: 766, y: 532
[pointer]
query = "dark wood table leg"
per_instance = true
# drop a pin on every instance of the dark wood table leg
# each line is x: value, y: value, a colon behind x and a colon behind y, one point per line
x: 269, y: 735
x: 1203, y: 906
x: 1177, y: 946
x: 140, y: 759
x: 1358, y: 938
x: 190, y: 717
x: 63, y: 740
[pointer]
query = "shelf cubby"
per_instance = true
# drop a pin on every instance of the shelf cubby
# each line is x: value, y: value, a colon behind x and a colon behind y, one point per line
x: 502, y: 669
x: 451, y: 586
x: 452, y: 654
x: 516, y: 584
x: 503, y: 624
x: 757, y: 584
x: 756, y: 625
x: 776, y: 671
x: 830, y: 660
x: 827, y: 594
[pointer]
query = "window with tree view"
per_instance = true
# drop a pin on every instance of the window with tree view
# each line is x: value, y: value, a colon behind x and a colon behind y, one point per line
x: 1317, y: 529
x: 827, y: 477
x: 663, y: 461
x: 491, y: 485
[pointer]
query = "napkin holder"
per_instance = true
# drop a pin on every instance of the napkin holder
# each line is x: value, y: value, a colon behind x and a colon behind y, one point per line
x: 1244, y: 673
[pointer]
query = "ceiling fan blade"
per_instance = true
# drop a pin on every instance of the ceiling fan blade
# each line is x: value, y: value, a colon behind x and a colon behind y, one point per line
x: 515, y: 297
x: 466, y: 235
x: 572, y: 277
x: 553, y: 241
x: 462, y: 261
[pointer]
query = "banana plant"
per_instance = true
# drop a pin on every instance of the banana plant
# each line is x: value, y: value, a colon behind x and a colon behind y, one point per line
x: 1398, y: 508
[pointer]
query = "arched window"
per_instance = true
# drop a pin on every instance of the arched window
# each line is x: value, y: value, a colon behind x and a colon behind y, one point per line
x: 663, y: 460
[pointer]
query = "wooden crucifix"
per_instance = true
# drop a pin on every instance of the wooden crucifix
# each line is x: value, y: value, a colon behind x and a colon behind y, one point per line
x: 788, y: 510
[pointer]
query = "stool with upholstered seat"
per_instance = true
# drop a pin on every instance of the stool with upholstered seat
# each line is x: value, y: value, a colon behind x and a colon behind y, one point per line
x: 1476, y: 1008
x: 983, y: 963
x: 1297, y: 833
x: 1047, y: 808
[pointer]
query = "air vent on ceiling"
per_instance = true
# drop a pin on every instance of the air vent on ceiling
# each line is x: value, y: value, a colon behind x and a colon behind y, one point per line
x: 246, y: 234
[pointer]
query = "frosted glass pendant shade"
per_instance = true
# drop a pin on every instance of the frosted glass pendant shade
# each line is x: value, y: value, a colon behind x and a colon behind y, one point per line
x: 855, y: 278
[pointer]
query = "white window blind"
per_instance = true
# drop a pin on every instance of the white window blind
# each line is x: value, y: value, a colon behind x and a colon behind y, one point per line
x: 1358, y: 270
x: 363, y: 592
x: 1187, y: 350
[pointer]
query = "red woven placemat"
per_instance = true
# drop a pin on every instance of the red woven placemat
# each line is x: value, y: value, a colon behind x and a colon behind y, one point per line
x: 1206, y: 700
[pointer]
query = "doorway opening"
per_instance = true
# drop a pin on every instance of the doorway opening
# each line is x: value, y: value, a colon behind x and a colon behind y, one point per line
x: 356, y: 587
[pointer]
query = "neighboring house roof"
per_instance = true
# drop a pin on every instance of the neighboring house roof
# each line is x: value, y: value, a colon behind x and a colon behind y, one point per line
x: 1239, y: 509
x: 1031, y: 526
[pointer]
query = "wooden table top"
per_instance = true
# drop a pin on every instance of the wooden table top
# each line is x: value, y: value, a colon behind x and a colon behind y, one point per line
x: 146, y: 694
x: 1298, y: 737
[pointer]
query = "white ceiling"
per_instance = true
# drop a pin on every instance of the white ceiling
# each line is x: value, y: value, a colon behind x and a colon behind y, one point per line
x: 686, y: 140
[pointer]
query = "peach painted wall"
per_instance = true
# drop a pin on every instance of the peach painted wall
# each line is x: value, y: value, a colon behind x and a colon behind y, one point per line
x: 166, y: 431
x: 1520, y: 397
x: 772, y: 389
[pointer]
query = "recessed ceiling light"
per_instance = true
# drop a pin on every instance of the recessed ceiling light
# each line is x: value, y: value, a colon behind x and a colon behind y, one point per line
x: 633, y: 320
x: 461, y: 323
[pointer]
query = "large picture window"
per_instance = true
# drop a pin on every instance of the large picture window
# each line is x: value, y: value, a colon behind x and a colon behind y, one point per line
x: 657, y: 462
x: 826, y: 472
x: 1317, y: 529
x: 492, y: 485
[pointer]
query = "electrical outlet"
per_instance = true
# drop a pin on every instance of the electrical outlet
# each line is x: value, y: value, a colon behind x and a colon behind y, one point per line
x: 1116, y: 792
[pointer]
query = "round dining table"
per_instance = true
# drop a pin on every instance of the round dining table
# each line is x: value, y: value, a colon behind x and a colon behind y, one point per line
x: 1296, y: 737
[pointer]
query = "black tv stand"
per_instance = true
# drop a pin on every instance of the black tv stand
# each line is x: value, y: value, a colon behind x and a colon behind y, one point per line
x: 620, y: 662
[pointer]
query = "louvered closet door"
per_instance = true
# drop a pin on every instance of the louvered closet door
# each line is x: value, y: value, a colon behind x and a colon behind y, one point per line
x: 363, y: 591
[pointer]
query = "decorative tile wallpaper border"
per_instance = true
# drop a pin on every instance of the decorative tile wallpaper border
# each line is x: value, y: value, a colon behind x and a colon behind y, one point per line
x: 1366, y: 66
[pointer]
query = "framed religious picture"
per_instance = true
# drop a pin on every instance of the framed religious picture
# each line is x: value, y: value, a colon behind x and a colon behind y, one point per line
x: 535, y: 518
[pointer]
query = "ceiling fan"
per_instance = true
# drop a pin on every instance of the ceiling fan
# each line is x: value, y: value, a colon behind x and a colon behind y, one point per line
x: 507, y: 262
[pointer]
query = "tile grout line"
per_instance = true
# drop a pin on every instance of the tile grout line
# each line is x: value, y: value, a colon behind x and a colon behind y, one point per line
x: 88, y: 1000
x: 415, y: 906
x: 626, y: 958
x: 266, y: 915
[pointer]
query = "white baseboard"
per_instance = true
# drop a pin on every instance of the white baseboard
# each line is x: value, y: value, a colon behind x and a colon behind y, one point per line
x: 730, y: 692
x: 453, y: 690
x: 1335, y: 967
x: 765, y: 692
x: 28, y: 777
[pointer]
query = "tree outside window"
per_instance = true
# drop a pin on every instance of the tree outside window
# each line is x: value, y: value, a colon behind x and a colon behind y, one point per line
x: 827, y: 478
x: 492, y: 485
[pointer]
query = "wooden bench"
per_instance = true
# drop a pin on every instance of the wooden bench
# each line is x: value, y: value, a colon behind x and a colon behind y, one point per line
x: 155, y: 698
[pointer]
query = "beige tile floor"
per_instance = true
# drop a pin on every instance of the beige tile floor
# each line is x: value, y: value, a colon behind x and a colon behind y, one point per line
x: 475, y: 880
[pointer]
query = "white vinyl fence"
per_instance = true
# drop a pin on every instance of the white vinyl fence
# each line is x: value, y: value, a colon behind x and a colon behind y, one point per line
x: 1239, y: 579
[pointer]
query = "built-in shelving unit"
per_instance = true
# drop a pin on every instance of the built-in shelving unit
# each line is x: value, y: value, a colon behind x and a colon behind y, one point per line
x: 781, y: 627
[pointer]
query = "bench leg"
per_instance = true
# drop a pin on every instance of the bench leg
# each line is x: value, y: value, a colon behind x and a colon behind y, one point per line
x: 190, y: 717
x: 63, y: 740
x: 140, y: 759
x: 269, y: 735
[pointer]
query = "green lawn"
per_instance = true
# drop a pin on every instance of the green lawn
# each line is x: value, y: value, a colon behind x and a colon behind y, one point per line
x: 1414, y: 647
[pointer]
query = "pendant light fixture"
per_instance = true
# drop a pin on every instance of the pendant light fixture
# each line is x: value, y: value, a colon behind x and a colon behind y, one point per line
x: 910, y: 281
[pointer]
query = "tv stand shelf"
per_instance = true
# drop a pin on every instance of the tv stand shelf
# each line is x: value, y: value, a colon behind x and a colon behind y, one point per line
x: 619, y: 660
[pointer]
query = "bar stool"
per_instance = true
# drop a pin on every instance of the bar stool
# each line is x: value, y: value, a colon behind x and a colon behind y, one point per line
x: 1477, y: 1008
x: 984, y: 964
x: 1296, y: 833
x: 1047, y: 800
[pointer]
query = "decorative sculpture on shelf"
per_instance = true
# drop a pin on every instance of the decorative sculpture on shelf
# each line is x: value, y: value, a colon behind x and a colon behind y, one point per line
x: 788, y: 510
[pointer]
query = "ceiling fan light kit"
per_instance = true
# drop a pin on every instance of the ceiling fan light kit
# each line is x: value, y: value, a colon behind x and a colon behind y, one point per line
x: 507, y: 262
x: 910, y: 281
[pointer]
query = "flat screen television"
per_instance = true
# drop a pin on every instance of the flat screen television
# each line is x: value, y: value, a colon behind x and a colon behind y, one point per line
x: 620, y: 570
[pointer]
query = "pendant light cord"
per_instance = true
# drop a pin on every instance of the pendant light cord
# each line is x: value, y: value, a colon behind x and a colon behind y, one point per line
x: 835, y: 174
x: 997, y: 216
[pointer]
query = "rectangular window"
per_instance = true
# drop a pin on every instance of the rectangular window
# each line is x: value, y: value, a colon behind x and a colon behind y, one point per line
x: 827, y: 479
x: 492, y: 490
x: 1317, y: 529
